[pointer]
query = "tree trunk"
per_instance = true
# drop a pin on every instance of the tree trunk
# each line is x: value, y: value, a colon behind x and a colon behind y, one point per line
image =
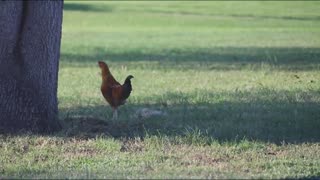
x: 30, y: 36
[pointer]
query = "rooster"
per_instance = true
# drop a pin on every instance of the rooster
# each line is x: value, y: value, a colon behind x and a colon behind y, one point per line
x: 114, y: 93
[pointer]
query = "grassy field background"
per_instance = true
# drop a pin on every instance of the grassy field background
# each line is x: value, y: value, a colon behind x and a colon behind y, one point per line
x: 239, y: 82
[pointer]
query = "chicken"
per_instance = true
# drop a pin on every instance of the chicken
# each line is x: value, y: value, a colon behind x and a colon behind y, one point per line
x: 114, y: 93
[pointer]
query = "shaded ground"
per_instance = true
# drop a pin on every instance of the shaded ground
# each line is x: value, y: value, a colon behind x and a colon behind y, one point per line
x: 266, y: 115
x: 85, y: 7
x: 224, y: 58
x: 90, y: 127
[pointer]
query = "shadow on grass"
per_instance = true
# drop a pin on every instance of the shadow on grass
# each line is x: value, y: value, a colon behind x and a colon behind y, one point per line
x: 310, y: 18
x: 85, y: 7
x: 263, y: 115
x: 224, y: 58
x: 260, y: 17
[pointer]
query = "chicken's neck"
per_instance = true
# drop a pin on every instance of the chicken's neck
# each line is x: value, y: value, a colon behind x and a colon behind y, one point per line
x: 105, y: 73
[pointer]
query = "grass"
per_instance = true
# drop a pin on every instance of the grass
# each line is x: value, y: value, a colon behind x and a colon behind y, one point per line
x: 155, y: 157
x: 238, y: 81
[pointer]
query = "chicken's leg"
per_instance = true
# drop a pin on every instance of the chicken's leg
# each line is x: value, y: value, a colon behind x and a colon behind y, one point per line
x: 115, y: 114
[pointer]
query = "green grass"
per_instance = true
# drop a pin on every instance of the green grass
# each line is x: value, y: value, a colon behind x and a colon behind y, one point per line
x: 154, y: 157
x: 239, y: 82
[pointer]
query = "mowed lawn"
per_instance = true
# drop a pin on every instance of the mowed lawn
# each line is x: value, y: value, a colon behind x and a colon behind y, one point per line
x: 238, y: 85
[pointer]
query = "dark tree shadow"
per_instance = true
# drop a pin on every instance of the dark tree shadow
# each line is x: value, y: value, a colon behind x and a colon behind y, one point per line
x: 240, y: 16
x: 261, y: 116
x: 226, y: 58
x: 85, y: 7
x: 310, y: 18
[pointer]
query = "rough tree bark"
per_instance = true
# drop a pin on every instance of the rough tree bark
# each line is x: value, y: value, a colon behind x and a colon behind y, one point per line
x: 30, y: 36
